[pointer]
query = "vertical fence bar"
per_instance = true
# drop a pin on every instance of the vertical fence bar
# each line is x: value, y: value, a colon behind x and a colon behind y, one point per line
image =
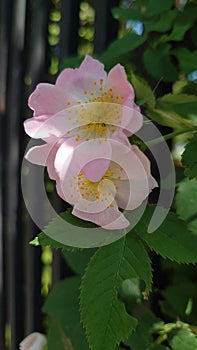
x: 3, y: 69
x: 69, y: 26
x: 13, y: 251
x: 35, y: 71
x: 106, y: 27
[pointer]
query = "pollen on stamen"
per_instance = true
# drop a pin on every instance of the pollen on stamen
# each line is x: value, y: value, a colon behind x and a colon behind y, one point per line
x: 85, y: 92
x: 95, y: 83
x: 68, y: 103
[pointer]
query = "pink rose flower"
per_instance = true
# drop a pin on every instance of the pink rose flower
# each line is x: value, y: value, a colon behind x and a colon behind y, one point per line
x: 97, y: 178
x: 34, y: 341
x: 84, y: 103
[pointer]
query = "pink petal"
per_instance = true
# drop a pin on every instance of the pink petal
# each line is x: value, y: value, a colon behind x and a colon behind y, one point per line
x: 123, y: 193
x: 95, y: 169
x: 47, y: 99
x: 110, y: 218
x: 64, y: 155
x: 136, y: 174
x: 82, y: 78
x: 132, y: 120
x: 146, y: 164
x: 56, y: 125
x: 80, y: 155
x: 117, y: 81
x: 34, y: 341
x: 39, y: 154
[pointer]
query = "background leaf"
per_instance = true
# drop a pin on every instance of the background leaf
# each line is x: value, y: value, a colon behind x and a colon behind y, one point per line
x: 120, y: 47
x: 143, y: 90
x: 79, y: 259
x: 142, y: 337
x: 158, y: 63
x: 180, y: 301
x: 187, y: 59
x: 188, y: 158
x: 63, y: 307
x: 103, y: 314
x: 182, y: 104
x: 184, y: 340
x: 186, y: 199
x: 171, y: 240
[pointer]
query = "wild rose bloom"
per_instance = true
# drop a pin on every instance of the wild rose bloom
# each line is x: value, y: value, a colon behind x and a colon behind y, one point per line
x: 34, y: 341
x: 98, y: 177
x: 84, y: 103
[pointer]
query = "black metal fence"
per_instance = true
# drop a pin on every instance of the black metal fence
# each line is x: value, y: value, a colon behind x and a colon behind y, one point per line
x: 25, y: 59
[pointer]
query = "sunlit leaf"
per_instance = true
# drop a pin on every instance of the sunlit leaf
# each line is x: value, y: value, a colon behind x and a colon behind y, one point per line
x: 143, y: 90
x: 183, y: 104
x: 186, y: 199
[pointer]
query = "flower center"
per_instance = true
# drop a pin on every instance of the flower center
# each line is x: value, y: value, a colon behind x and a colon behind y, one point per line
x: 87, y: 189
x: 99, y: 115
x: 90, y: 190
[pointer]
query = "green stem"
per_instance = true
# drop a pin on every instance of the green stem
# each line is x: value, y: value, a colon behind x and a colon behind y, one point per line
x: 170, y: 136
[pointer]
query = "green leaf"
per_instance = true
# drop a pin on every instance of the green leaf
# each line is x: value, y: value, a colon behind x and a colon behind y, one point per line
x: 78, y: 260
x: 155, y: 7
x: 142, y: 9
x: 63, y: 308
x: 186, y: 199
x: 143, y: 90
x: 126, y: 14
x: 183, y: 86
x: 103, y: 315
x: 187, y: 59
x: 182, y: 104
x: 130, y: 293
x: 168, y: 118
x: 184, y: 21
x: 189, y: 159
x: 171, y: 240
x: 121, y: 46
x: 158, y: 63
x: 161, y: 23
x: 184, y: 340
x: 56, y: 229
